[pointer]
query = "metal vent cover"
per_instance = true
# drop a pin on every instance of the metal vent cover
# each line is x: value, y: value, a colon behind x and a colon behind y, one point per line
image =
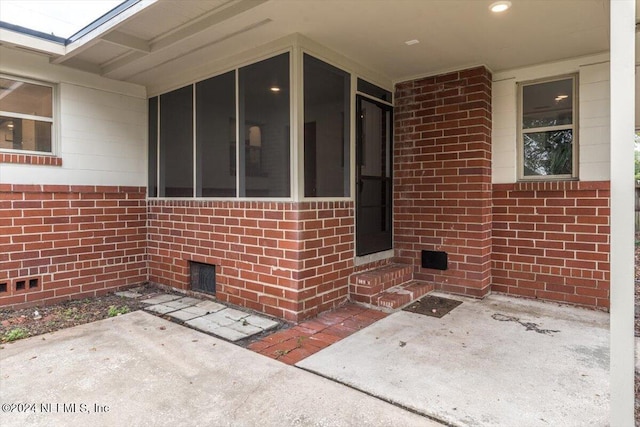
x: 203, y: 277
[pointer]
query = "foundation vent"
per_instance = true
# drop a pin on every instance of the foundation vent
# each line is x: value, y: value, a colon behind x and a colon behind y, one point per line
x: 203, y: 277
x: 434, y: 259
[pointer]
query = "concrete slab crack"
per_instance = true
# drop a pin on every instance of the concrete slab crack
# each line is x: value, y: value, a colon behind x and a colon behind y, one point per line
x: 530, y: 326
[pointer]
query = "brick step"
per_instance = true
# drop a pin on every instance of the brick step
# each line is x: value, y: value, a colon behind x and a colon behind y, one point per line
x: 403, y: 294
x: 366, y: 286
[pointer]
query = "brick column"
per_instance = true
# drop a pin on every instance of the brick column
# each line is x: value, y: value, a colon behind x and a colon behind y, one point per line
x: 442, y: 177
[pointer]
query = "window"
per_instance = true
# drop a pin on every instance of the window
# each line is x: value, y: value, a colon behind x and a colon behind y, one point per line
x: 26, y: 116
x: 176, y: 143
x: 548, y: 129
x: 153, y: 147
x: 327, y: 92
x: 216, y: 136
x: 199, y: 148
x: 263, y: 90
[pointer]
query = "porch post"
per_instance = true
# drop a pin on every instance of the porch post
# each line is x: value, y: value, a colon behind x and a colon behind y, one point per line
x: 622, y: 81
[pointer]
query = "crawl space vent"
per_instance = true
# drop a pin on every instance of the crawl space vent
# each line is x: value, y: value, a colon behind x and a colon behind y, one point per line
x: 435, y: 259
x: 203, y: 277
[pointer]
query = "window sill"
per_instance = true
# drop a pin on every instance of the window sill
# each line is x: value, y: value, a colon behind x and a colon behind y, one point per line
x: 378, y: 256
x: 549, y: 179
x: 30, y: 159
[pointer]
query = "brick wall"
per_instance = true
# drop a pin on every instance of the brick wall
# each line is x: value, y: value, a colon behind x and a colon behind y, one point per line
x: 551, y: 241
x: 60, y: 242
x: 293, y: 260
x: 442, y: 177
x: 290, y: 260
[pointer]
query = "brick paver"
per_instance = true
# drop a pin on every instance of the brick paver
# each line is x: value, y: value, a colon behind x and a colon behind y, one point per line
x: 301, y: 341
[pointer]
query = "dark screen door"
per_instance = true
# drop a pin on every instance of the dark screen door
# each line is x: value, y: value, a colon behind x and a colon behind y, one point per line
x: 374, y: 183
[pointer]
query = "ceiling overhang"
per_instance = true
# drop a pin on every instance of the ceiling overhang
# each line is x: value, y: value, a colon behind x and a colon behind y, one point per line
x: 155, y: 38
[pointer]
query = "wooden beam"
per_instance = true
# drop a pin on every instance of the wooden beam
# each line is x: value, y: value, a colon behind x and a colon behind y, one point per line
x: 125, y: 40
x: 208, y: 20
x: 121, y: 61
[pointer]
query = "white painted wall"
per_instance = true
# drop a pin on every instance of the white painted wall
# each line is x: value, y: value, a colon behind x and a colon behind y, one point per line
x: 593, y: 116
x: 100, y: 127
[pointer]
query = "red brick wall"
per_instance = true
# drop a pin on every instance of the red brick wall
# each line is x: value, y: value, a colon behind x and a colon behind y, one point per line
x: 290, y: 260
x: 76, y: 241
x: 442, y: 177
x: 551, y: 241
x: 293, y: 260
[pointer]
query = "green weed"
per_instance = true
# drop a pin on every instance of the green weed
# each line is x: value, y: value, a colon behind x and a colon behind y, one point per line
x: 117, y: 311
x: 14, y: 334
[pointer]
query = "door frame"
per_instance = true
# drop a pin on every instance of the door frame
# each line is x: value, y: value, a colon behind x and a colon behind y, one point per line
x: 387, y: 108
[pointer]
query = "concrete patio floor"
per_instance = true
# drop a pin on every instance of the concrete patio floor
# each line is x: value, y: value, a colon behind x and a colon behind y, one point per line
x: 139, y: 369
x: 494, y: 362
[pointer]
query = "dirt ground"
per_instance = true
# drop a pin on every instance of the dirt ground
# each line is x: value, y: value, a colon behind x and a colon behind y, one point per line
x: 28, y: 322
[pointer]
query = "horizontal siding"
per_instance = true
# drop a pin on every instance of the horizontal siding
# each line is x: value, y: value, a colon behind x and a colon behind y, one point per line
x: 593, y: 113
x: 100, y: 129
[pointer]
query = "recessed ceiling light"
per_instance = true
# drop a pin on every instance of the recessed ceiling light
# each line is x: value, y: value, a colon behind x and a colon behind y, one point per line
x: 561, y: 97
x: 274, y: 89
x: 411, y: 42
x: 499, y: 6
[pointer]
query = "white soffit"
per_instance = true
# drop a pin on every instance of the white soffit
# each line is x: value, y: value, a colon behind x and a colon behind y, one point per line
x: 167, y: 37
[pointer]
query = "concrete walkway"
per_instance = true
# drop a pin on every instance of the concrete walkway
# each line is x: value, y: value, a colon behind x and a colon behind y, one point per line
x: 496, y: 362
x: 206, y: 315
x: 141, y: 370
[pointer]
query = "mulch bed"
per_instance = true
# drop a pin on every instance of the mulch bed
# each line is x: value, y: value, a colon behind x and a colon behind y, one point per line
x: 28, y: 322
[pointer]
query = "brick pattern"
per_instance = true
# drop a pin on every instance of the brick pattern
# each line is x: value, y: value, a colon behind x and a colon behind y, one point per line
x: 69, y: 241
x: 292, y: 345
x: 368, y: 285
x: 551, y: 241
x: 442, y: 177
x: 290, y: 260
x: 30, y: 159
x: 403, y: 294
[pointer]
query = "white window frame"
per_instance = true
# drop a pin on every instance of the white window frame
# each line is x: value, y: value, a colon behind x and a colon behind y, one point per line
x: 54, y: 110
x: 573, y: 127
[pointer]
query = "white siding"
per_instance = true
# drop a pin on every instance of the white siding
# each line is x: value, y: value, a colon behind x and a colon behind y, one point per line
x: 101, y: 127
x: 595, y: 153
x: 593, y: 116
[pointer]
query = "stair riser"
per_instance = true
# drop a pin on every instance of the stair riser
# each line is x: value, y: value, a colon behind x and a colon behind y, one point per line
x: 403, y: 296
x: 380, y: 280
x: 391, y: 287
